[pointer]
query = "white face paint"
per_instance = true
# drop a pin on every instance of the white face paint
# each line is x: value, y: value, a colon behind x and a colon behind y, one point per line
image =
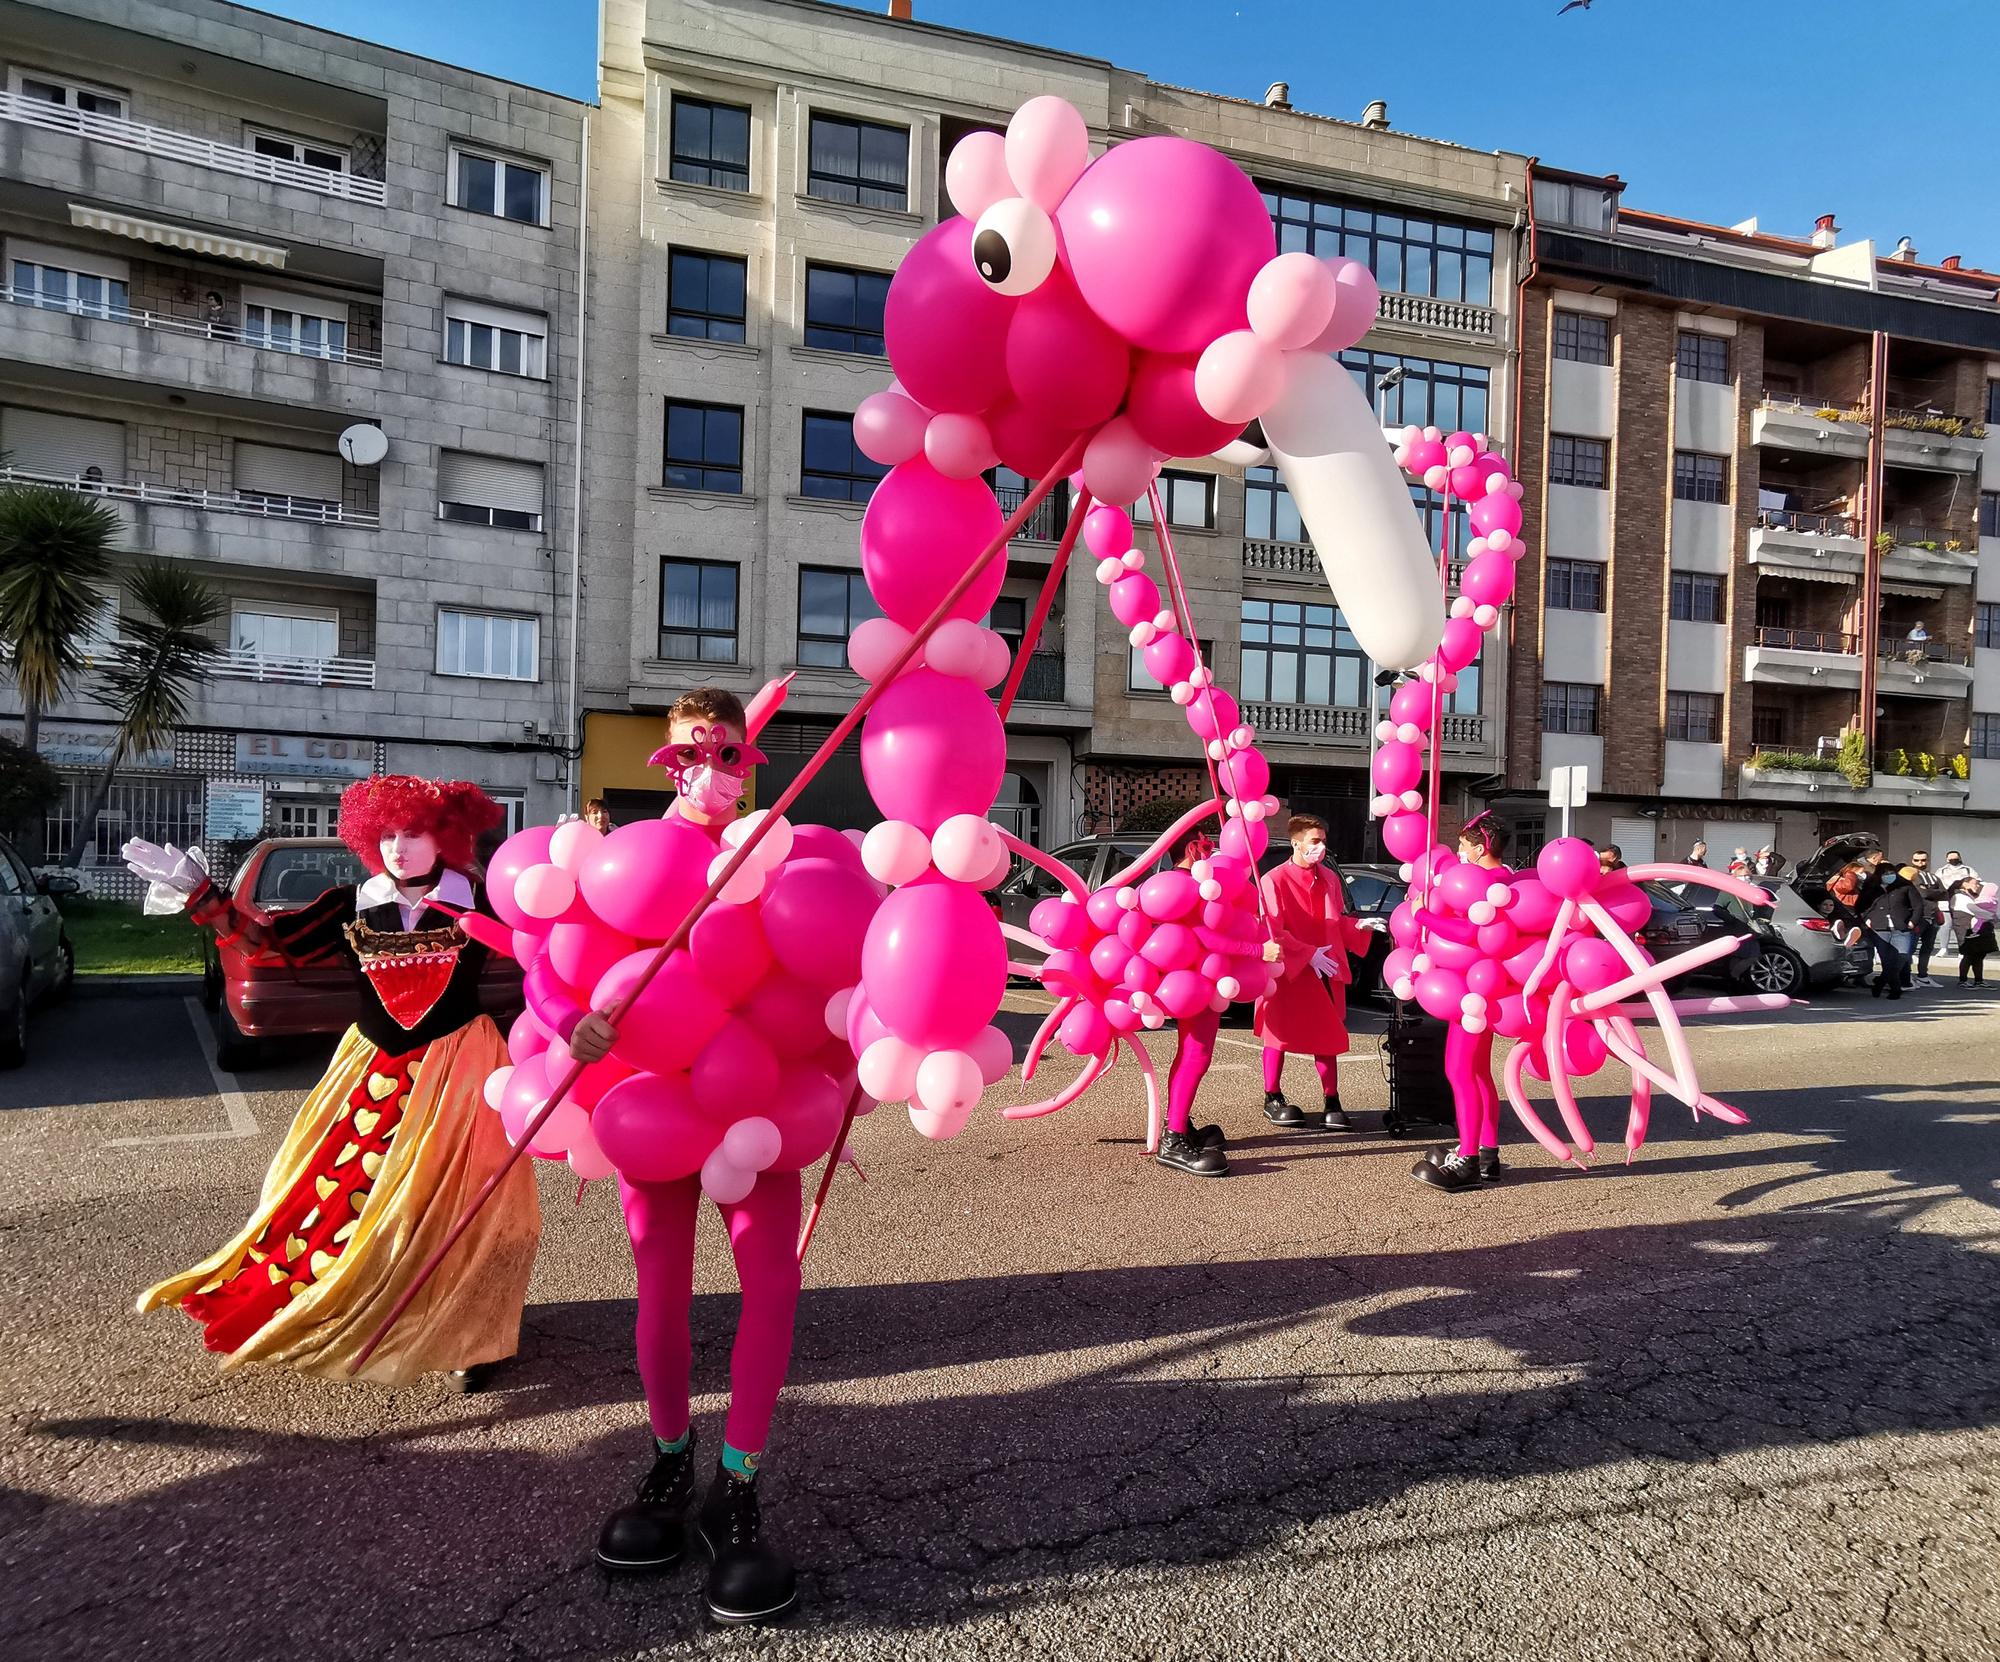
x: 409, y: 854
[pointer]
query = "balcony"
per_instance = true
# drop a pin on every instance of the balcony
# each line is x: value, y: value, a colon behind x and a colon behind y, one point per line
x: 1042, y: 682
x: 1807, y: 424
x: 228, y: 334
x: 184, y: 147
x: 1312, y: 723
x: 1419, y: 311
x: 1766, y: 777
x: 1939, y: 440
x: 1923, y: 669
x: 243, y: 664
x: 1924, y: 554
x: 1790, y: 539
x: 1049, y: 520
x: 1300, y: 560
x: 202, y: 501
x: 1803, y: 658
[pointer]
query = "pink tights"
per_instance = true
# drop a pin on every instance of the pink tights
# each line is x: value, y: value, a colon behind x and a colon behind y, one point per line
x: 763, y: 1234
x: 1274, y: 1063
x: 1191, y: 1059
x: 1468, y: 1067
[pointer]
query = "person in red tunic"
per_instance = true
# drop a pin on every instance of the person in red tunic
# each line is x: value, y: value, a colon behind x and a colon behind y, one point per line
x: 1305, y: 1012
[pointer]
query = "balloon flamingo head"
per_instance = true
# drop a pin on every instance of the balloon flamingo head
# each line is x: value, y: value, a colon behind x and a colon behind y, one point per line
x: 1139, y: 300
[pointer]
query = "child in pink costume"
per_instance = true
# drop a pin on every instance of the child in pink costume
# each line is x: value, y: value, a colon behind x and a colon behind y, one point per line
x: 1305, y: 1012
x: 1185, y: 1147
x: 749, y: 1580
x: 1468, y: 1069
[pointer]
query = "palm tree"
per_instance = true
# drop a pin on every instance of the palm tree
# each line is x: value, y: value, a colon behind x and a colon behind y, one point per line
x: 55, y: 549
x: 153, y: 672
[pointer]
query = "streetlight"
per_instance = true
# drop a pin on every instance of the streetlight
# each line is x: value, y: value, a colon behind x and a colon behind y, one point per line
x: 1378, y: 679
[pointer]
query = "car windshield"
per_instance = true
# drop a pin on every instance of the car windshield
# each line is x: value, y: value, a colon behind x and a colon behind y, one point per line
x: 293, y: 876
x: 1033, y: 880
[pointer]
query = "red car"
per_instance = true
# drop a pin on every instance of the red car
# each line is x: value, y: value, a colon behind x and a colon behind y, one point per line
x: 255, y: 995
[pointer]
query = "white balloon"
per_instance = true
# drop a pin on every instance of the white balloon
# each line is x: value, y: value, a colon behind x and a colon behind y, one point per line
x: 574, y: 842
x: 777, y: 843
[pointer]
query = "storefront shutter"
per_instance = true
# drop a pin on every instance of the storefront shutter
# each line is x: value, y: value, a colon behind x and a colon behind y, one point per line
x: 489, y: 482
x: 37, y: 441
x: 271, y: 471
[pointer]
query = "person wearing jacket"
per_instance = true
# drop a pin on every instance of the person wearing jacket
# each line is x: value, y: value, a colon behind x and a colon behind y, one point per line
x: 1931, y: 898
x: 1952, y: 874
x: 1889, y: 910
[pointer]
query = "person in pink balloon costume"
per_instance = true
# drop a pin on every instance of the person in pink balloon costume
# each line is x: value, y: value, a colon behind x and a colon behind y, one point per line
x: 1305, y: 1012
x: 1185, y: 1146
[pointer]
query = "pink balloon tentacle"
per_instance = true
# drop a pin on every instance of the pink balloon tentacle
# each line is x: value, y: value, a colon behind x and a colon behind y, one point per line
x: 1687, y: 1086
x: 1558, y: 933
x: 1524, y: 1110
x: 1093, y: 1070
x: 1047, y: 862
x: 1152, y: 1092
x: 1655, y: 975
x: 1556, y: 1052
x: 1666, y: 871
x: 1641, y: 1114
x: 1044, y: 1033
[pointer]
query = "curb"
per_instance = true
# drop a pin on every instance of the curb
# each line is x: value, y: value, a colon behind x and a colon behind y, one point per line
x: 130, y: 986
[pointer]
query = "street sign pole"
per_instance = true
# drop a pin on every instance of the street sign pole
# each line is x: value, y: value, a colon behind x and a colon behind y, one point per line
x: 1569, y: 788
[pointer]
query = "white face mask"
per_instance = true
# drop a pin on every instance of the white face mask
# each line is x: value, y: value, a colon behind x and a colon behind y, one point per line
x: 709, y: 791
x: 1311, y: 854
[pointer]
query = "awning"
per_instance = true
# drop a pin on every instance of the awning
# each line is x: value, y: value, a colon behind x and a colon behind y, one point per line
x: 191, y: 239
x: 1815, y: 572
x: 1915, y: 591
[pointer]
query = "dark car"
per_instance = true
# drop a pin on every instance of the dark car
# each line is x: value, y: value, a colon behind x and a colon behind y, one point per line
x: 1679, y: 922
x: 36, y: 960
x: 1373, y: 892
x: 1095, y: 860
x: 256, y: 995
x: 1817, y: 868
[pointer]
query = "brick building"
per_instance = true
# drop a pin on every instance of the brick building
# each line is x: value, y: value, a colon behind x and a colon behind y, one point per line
x: 1762, y: 597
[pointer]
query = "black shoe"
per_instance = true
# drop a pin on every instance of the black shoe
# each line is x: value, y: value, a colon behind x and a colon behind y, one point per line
x: 647, y: 1535
x: 749, y: 1580
x: 1489, y: 1165
x: 1179, y: 1150
x: 471, y: 1381
x: 1875, y: 987
x: 1207, y: 1136
x: 1895, y: 992
x: 1336, y: 1116
x: 1281, y: 1113
x: 1452, y: 1173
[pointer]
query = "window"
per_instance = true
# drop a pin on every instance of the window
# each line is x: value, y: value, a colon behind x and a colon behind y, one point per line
x: 1269, y: 514
x: 698, y: 610
x: 844, y: 309
x: 1993, y: 403
x: 306, y: 152
x: 493, y: 185
x: 831, y: 603
x: 1574, y: 461
x: 63, y: 280
x: 1582, y: 207
x: 1295, y: 653
x: 710, y: 144
x: 1694, y: 717
x: 1583, y: 337
x: 491, y: 645
x: 67, y: 94
x: 1139, y: 679
x: 297, y: 482
x: 1986, y: 624
x: 705, y: 295
x: 1408, y: 253
x: 286, y: 631
x: 294, y: 323
x: 1985, y: 736
x: 704, y: 447
x: 1695, y: 597
x: 1189, y: 499
x: 1429, y: 507
x: 62, y: 446
x: 832, y: 464
x: 1767, y: 726
x: 489, y: 490
x: 1575, y: 586
x: 859, y: 162
x: 513, y: 806
x: 1702, y: 357
x: 1699, y: 478
x: 1451, y: 395
x: 1989, y: 505
x: 490, y: 337
x: 1570, y: 707
x: 1050, y: 517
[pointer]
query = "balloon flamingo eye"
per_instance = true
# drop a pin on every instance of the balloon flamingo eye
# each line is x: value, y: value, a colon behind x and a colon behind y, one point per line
x: 1014, y: 246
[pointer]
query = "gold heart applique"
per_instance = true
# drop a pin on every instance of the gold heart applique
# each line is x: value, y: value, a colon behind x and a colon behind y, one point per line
x: 358, y: 1199
x: 257, y: 1257
x: 277, y: 1275
x: 295, y: 1248
x: 415, y: 1071
x: 321, y: 1263
x: 381, y: 1087
x: 325, y: 1186
x: 366, y: 1119
x: 309, y: 1219
x: 209, y: 1285
x: 297, y: 1288
x: 344, y: 1231
x: 347, y: 1154
x: 372, y: 1165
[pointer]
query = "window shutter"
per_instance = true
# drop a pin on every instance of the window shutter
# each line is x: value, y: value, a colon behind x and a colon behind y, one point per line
x: 37, y: 441
x: 489, y: 482
x: 272, y: 471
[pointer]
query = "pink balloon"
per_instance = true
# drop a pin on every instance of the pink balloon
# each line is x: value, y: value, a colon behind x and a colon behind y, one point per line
x: 511, y: 859
x: 1030, y: 443
x: 975, y: 175
x: 958, y: 647
x: 1184, y: 993
x: 1534, y: 906
x: 1245, y: 775
x: 790, y: 1013
x: 647, y: 875
x: 931, y: 748
x: 527, y: 1037
x: 1357, y: 299
x: 1441, y: 992
x: 1244, y: 838
x: 1411, y: 702
x: 1166, y: 410
x: 807, y: 1111
x: 592, y: 1083
x: 1404, y: 928
x: 1059, y: 922
x: 1515, y: 1018
x: 1460, y: 644
x: 935, y: 965
x: 650, y: 1129
x: 1399, y: 962
x: 1213, y: 714
x: 1169, y: 659
x: 1086, y: 1031
x: 1488, y: 579
x: 918, y: 535
x: 1404, y: 835
x: 1463, y: 887
x: 1107, y: 532
x: 1109, y: 957
x: 736, y: 1072
x: 1134, y: 929
x: 889, y: 427
x: 581, y: 952
x: 1172, y: 946
x: 1499, y: 939
x: 1398, y: 767
x: 1103, y: 910
x: 1239, y: 377
x: 675, y: 1016
x: 1625, y: 901
x: 875, y: 645
x: 1485, y: 978
x: 959, y: 446
x: 1568, y: 866
x: 1495, y: 513
x: 1169, y: 894
x: 1135, y: 597
x: 816, y: 914
x: 1292, y: 300
x: 523, y: 946
x: 1589, y: 964
x: 1164, y: 236
x: 729, y: 951
x: 946, y: 330
x: 822, y: 842
x: 1063, y: 364
x: 1138, y: 976
x: 1583, y: 1049
x: 1118, y: 464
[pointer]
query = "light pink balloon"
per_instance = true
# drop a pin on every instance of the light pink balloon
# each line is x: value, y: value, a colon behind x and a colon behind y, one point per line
x: 975, y: 175
x: 513, y: 857
x: 1239, y: 377
x: 1357, y: 298
x: 939, y: 1125
x: 725, y: 1182
x: 495, y: 1088
x: 527, y: 1037
x: 874, y: 646
x: 571, y: 843
x: 964, y: 847
x: 920, y: 532
x: 1118, y: 464
x: 1048, y: 147
x: 1292, y: 300
x: 888, y: 1069
x: 646, y: 876
x: 545, y: 892
x: 959, y: 446
x: 948, y: 1082
x: 752, y: 1143
x: 932, y: 747
x: 895, y: 852
x: 993, y: 1051
x: 587, y: 1158
x: 994, y: 659
x: 958, y: 648
x: 889, y: 427
x: 935, y: 965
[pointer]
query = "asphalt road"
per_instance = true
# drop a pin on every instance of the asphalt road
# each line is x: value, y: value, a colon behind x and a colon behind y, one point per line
x: 1737, y: 1400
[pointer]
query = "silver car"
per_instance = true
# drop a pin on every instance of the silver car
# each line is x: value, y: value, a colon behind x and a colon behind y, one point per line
x: 36, y: 961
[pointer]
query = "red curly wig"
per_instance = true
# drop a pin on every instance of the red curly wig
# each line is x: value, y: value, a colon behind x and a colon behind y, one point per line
x: 455, y: 812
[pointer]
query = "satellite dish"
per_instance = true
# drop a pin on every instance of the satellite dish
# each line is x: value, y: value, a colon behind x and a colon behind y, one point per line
x: 364, y: 445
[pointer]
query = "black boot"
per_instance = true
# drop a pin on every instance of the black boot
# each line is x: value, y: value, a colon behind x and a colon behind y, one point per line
x: 1336, y: 1116
x: 647, y: 1535
x: 1489, y: 1165
x: 749, y: 1580
x: 475, y: 1379
x: 1281, y: 1113
x: 1179, y: 1150
x: 1452, y: 1172
x: 1207, y: 1136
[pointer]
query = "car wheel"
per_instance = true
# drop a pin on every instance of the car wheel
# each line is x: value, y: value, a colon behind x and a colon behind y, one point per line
x: 235, y: 1050
x: 1777, y: 969
x: 65, y: 976
x: 211, y: 985
x: 14, y: 1029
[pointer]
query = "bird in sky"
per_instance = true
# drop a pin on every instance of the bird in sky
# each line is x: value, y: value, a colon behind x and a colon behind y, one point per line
x: 1574, y: 6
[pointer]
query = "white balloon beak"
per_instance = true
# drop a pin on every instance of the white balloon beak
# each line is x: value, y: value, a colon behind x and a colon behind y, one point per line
x: 1356, y: 507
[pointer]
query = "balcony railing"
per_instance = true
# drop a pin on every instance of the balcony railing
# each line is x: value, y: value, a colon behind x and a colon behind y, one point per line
x: 1917, y: 653
x: 72, y: 306
x: 1307, y: 721
x: 1049, y: 520
x: 1945, y: 423
x: 185, y: 147
x: 1807, y: 640
x: 204, y: 501
x: 1462, y: 729
x: 1298, y: 559
x: 1042, y: 683
x: 1808, y: 524
x: 1805, y: 403
x: 1423, y: 312
x: 244, y: 664
x: 1926, y: 538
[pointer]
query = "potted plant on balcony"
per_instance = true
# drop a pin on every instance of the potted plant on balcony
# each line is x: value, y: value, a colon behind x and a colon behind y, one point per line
x: 1884, y: 541
x: 1961, y: 766
x: 1854, y: 765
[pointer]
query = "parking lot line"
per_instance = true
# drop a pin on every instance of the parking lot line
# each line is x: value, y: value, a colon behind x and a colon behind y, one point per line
x: 242, y: 1123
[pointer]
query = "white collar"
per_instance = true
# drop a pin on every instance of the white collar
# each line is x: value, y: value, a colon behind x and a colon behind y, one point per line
x: 452, y: 888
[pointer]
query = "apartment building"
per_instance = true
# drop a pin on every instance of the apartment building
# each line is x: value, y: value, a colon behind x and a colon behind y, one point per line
x: 303, y: 311
x: 1763, y: 598
x: 758, y: 169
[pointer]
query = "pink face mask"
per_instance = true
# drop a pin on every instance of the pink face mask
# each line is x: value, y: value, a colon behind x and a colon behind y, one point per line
x: 708, y: 768
x: 1312, y: 854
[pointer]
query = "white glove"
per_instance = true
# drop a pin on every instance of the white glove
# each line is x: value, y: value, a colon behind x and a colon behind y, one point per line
x: 171, y: 874
x: 1322, y: 961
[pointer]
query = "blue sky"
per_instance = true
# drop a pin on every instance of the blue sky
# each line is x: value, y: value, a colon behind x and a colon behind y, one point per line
x: 1714, y: 109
